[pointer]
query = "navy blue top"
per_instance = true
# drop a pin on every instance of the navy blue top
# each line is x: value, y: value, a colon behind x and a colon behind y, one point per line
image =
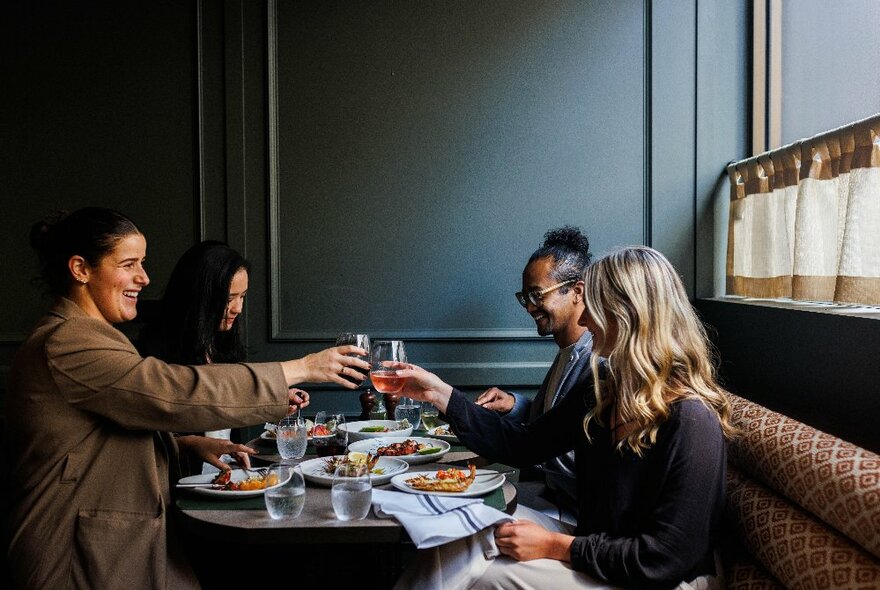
x: 650, y: 521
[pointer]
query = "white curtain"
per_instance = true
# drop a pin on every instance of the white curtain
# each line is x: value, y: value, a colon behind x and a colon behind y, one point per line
x: 805, y: 219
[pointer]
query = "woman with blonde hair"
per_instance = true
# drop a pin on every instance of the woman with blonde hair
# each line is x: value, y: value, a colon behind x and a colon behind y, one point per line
x: 648, y: 437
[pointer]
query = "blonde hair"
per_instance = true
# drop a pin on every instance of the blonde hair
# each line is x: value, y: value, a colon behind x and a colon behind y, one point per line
x: 658, y: 353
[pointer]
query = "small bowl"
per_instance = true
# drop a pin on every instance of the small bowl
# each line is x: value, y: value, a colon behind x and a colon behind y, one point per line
x: 355, y: 429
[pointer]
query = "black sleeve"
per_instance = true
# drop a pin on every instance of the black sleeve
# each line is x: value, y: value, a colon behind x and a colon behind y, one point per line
x: 487, y: 433
x: 679, y: 535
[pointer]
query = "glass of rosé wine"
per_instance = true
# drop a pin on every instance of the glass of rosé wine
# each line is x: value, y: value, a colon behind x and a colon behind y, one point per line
x: 384, y: 355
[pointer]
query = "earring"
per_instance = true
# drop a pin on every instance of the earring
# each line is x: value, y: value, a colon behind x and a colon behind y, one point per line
x: 81, y: 280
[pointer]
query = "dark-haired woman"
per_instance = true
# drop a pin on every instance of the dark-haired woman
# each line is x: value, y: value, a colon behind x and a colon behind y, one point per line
x: 198, y: 324
x: 86, y: 415
x: 649, y: 439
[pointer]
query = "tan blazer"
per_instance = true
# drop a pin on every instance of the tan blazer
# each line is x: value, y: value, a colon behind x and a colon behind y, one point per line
x: 86, y: 418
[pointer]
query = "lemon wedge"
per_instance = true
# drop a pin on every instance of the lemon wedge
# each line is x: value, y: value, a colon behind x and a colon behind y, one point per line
x: 356, y: 457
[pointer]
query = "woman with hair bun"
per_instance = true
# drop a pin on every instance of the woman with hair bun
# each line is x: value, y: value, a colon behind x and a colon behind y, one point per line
x: 648, y: 435
x: 87, y: 415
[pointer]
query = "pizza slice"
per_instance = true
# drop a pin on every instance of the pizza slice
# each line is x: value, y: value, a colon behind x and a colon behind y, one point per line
x: 449, y: 480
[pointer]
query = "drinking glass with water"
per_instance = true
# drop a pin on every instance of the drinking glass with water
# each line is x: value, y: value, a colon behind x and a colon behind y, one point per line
x: 410, y: 410
x: 292, y: 437
x: 285, y: 492
x: 352, y: 491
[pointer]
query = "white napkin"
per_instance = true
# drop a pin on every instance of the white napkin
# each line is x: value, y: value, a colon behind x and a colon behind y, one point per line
x: 434, y: 520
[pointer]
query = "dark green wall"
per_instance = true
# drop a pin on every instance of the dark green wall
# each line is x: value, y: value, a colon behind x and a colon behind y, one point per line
x: 386, y: 166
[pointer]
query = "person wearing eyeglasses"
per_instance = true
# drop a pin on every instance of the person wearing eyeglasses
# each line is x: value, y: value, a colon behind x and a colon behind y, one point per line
x: 553, y: 294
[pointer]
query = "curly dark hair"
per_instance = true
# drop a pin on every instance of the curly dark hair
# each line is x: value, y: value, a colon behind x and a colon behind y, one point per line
x: 570, y: 250
x: 187, y: 328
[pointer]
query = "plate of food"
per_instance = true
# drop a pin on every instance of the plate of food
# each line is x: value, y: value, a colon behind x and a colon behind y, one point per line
x: 231, y: 484
x: 443, y: 432
x: 413, y: 449
x: 320, y: 471
x: 464, y: 483
x: 365, y: 429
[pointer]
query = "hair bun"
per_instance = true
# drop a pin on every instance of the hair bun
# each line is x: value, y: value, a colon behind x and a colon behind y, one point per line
x: 567, y: 237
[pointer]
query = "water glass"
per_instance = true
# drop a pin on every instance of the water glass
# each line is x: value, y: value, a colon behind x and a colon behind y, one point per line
x: 292, y: 437
x: 430, y: 416
x: 285, y: 493
x: 352, y: 491
x: 410, y: 410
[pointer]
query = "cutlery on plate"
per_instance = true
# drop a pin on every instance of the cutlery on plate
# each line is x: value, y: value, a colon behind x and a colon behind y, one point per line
x: 199, y: 485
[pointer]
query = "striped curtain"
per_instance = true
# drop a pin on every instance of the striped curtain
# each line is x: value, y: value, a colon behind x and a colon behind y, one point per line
x: 805, y: 219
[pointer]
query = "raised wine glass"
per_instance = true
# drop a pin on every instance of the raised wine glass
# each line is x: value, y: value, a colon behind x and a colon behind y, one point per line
x: 359, y: 340
x: 384, y: 355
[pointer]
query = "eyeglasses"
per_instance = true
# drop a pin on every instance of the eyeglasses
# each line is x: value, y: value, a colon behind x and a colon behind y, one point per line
x: 537, y: 297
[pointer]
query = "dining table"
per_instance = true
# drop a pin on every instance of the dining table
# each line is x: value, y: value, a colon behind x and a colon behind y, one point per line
x: 244, y: 524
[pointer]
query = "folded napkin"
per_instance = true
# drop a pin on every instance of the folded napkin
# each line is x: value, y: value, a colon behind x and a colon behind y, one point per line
x: 434, y: 520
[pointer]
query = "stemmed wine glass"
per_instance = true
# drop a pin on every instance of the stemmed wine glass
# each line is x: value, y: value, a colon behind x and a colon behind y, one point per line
x: 359, y: 340
x: 386, y: 379
x: 335, y: 441
x: 384, y: 355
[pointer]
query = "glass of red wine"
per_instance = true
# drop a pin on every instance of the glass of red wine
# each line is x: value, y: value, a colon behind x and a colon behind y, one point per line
x: 359, y: 340
x: 333, y: 437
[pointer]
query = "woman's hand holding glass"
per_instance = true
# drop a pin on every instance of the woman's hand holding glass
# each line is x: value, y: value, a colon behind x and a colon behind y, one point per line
x: 341, y: 365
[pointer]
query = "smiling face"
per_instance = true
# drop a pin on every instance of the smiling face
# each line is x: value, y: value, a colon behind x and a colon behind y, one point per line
x: 558, y: 312
x: 110, y: 290
x: 602, y: 341
x: 235, y: 301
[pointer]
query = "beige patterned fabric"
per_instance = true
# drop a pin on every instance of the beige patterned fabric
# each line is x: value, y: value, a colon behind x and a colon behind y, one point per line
x: 834, y: 480
x: 799, y: 550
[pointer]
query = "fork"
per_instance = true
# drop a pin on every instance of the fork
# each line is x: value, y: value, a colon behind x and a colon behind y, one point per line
x: 261, y: 471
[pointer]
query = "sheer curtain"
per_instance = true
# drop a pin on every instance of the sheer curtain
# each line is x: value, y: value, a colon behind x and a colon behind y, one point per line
x: 805, y: 219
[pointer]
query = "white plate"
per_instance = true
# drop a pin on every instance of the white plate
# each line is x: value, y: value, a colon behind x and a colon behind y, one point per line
x: 370, y: 445
x: 355, y: 434
x: 482, y: 485
x: 237, y: 475
x: 313, y: 470
x: 447, y: 437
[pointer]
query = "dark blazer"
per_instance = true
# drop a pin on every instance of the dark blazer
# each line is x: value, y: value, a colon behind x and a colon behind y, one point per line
x: 560, y: 471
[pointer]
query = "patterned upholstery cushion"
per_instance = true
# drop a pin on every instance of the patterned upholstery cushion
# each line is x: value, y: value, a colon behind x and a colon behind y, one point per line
x: 795, y: 547
x: 743, y: 572
x: 829, y: 477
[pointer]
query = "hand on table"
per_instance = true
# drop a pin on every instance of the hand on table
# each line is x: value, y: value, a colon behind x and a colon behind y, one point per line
x: 210, y: 450
x: 495, y: 399
x: 525, y: 540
